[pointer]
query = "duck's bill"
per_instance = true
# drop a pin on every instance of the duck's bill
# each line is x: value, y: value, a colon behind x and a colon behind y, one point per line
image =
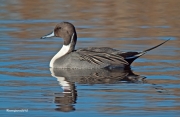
x: 48, y: 35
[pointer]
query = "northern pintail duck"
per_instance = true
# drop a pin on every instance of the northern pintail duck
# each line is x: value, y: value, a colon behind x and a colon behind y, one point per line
x: 88, y: 58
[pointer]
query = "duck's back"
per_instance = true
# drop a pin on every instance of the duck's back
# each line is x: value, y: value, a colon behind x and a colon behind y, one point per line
x: 99, y: 49
x: 90, y: 58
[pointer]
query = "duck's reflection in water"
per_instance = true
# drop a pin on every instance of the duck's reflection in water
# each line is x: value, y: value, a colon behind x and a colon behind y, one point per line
x: 68, y: 77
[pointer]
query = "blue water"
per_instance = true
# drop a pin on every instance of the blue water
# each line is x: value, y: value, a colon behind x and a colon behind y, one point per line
x: 26, y: 82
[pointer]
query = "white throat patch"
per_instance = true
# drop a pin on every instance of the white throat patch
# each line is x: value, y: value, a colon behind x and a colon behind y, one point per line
x: 64, y: 50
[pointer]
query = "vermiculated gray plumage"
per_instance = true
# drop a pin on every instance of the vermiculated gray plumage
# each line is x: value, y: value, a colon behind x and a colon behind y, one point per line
x: 91, y: 57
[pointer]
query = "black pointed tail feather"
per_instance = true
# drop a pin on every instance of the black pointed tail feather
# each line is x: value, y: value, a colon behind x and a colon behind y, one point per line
x: 131, y: 56
x: 156, y: 46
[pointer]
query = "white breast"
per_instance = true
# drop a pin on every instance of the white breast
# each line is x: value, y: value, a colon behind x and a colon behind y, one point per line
x: 62, y: 52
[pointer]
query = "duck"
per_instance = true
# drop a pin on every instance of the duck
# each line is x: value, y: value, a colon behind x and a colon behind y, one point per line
x: 91, y: 57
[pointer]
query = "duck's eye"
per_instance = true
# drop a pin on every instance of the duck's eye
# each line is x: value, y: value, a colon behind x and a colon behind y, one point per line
x: 59, y: 28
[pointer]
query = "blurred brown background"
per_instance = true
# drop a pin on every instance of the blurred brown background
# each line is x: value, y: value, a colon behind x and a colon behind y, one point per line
x: 130, y: 25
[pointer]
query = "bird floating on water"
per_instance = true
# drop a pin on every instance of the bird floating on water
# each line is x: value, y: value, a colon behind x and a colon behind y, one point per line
x: 91, y: 57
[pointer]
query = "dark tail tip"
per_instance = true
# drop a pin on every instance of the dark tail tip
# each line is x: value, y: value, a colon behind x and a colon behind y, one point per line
x: 156, y: 46
x: 136, y: 55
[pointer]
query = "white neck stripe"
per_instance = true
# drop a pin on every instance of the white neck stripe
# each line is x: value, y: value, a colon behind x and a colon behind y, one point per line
x: 64, y: 50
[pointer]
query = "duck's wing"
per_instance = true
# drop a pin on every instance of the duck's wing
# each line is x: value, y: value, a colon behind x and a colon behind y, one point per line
x: 99, y: 49
x: 101, y: 57
x: 105, y: 55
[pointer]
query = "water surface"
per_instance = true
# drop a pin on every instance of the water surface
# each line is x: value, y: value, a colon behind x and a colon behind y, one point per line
x: 150, y: 88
